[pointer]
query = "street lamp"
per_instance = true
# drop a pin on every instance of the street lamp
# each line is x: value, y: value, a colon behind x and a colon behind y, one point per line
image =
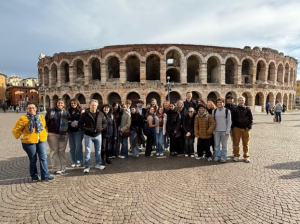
x: 42, y: 91
x: 168, y: 87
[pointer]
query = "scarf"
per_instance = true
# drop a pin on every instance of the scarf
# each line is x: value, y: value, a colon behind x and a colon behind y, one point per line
x: 63, y: 129
x: 34, y: 122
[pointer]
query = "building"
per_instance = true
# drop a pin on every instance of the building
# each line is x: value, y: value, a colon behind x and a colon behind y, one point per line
x: 2, y: 88
x: 117, y: 73
x: 298, y: 93
x: 15, y: 80
x: 19, y: 95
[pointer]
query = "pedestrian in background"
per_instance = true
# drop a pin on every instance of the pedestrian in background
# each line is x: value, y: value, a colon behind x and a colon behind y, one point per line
x: 33, y: 128
x: 267, y: 107
x: 278, y: 109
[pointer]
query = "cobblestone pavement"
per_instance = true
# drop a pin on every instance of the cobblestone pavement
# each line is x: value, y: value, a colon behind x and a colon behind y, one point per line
x: 161, y: 190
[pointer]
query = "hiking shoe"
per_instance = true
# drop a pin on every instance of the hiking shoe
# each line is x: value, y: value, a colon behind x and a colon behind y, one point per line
x: 35, y: 179
x: 247, y: 160
x: 86, y: 169
x: 186, y: 155
x: 236, y: 159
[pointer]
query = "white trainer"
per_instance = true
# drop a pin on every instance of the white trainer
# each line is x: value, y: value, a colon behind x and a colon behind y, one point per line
x: 209, y: 159
x: 247, y: 160
x: 236, y: 159
x: 86, y: 169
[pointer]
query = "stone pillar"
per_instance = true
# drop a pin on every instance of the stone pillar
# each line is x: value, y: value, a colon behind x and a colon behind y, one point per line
x: 59, y: 77
x: 237, y: 74
x: 221, y: 74
x: 254, y: 75
x: 275, y: 76
x: 264, y: 73
x: 183, y: 71
x: 103, y: 72
x: 72, y: 75
x: 203, y: 73
x: 288, y: 82
x: 122, y: 71
x: 142, y: 71
x: 87, y: 74
x: 50, y: 78
x: 163, y: 70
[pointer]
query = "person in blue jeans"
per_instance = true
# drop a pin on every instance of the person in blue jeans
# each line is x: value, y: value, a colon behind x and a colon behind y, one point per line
x: 135, y: 130
x: 92, y: 122
x: 33, y: 128
x: 125, y: 131
x: 161, y: 120
x: 222, y: 117
x: 278, y: 110
x: 75, y: 134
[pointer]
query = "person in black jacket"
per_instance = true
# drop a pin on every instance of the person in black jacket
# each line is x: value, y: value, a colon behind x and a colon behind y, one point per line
x: 180, y: 108
x: 108, y: 134
x: 117, y: 113
x: 92, y: 122
x: 136, y: 127
x: 173, y: 129
x: 188, y: 127
x: 75, y: 134
x: 242, y: 121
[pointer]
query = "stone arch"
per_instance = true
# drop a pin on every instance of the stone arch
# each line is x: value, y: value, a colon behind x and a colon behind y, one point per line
x: 97, y: 96
x: 63, y: 61
x: 290, y: 105
x: 112, y: 64
x: 47, y: 102
x: 54, y: 100
x: 64, y: 71
x: 247, y: 70
x: 94, y: 66
x: 233, y: 94
x: 133, y: 53
x: 286, y: 73
x: 212, y: 96
x: 231, y: 70
x: 271, y: 71
x: 154, y: 53
x: 260, y: 100
x: 174, y: 58
x: 278, y: 97
x: 233, y: 57
x: 154, y: 95
x: 280, y: 73
x: 193, y: 68
x: 81, y: 98
x: 285, y: 99
x: 46, y: 76
x: 176, y: 49
x: 114, y: 97
x: 174, y: 96
x: 196, y: 95
x: 53, y: 76
x: 174, y: 75
x: 215, y: 55
x: 213, y: 69
x: 132, y: 68
x: 153, y: 67
x: 270, y: 99
x: 134, y: 97
x: 248, y: 98
x: 261, y: 70
x: 78, y: 67
x: 66, y: 98
x: 196, y: 54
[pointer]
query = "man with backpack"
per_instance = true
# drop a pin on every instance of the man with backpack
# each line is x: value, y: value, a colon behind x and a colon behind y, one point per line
x: 222, y: 116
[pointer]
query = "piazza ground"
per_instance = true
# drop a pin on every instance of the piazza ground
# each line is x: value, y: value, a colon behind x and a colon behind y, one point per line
x: 161, y: 190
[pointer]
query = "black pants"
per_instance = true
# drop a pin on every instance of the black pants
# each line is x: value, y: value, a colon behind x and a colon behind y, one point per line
x: 189, y: 145
x: 174, y: 144
x: 267, y: 110
x: 149, y: 144
x: 105, y: 149
x: 204, y: 145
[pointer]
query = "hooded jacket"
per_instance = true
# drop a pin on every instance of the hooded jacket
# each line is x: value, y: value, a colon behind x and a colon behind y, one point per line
x: 204, y: 125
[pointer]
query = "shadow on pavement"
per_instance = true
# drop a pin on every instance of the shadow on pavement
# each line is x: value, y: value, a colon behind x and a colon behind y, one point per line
x: 287, y: 166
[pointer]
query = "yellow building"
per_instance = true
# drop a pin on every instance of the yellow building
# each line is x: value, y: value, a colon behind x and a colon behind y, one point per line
x: 2, y: 88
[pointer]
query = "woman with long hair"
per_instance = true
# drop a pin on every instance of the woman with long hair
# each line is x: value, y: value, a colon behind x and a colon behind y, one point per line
x: 75, y: 134
x: 115, y: 143
x: 161, y: 120
x: 150, y: 137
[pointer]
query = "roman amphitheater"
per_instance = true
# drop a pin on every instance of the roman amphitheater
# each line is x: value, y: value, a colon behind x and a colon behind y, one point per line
x: 117, y: 73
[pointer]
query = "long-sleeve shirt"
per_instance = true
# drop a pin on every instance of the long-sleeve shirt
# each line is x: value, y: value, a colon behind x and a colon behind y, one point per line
x: 222, y: 123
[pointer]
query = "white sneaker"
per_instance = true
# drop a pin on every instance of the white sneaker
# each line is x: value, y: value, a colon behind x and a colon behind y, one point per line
x: 223, y: 160
x: 101, y: 167
x: 122, y: 157
x: 157, y: 154
x: 161, y: 154
x: 216, y: 159
x: 186, y: 155
x: 198, y: 157
x: 192, y: 156
x: 86, y: 169
x: 58, y: 172
x: 247, y: 160
x: 119, y: 156
x: 236, y: 159
x: 209, y: 159
x: 151, y: 154
x: 73, y: 165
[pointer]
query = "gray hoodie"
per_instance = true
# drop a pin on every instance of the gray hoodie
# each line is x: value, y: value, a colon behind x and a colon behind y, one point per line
x: 278, y: 107
x: 222, y: 124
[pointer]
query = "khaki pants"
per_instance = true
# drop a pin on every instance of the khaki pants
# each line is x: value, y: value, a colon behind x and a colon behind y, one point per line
x: 239, y: 133
x: 57, y: 151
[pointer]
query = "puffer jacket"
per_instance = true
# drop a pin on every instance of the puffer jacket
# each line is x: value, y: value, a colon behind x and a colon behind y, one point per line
x: 21, y: 128
x: 204, y: 125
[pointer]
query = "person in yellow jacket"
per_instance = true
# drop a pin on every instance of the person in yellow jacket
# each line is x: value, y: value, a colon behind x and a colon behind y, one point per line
x: 33, y: 128
x: 203, y: 129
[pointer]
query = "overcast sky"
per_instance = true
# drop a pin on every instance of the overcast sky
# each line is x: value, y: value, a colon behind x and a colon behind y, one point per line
x: 31, y: 27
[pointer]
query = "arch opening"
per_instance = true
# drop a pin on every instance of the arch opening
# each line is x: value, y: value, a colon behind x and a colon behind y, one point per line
x: 174, y: 97
x: 114, y: 97
x: 154, y: 95
x: 212, y: 70
x: 193, y: 67
x: 229, y: 71
x: 113, y: 68
x: 174, y: 75
x: 133, y: 69
x: 280, y: 73
x: 96, y: 69
x: 153, y: 67
x: 134, y: 97
x: 53, y: 75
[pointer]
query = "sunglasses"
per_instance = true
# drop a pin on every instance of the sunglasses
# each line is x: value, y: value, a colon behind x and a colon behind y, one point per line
x: 191, y: 111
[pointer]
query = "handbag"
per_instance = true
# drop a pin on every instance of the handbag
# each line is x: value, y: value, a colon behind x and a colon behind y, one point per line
x: 274, y: 119
x: 126, y: 134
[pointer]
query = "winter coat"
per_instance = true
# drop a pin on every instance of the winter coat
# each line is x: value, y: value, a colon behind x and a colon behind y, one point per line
x: 204, y: 125
x: 173, y: 123
x: 111, y: 130
x: 21, y: 128
x: 188, y: 105
x: 92, y: 127
x: 242, y: 117
x: 125, y: 122
x: 164, y: 124
x: 136, y: 123
x: 188, y: 124
x: 74, y: 116
x: 52, y: 118
x: 278, y: 107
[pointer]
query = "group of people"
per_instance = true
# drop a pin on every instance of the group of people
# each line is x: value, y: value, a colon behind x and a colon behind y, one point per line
x: 277, y: 110
x: 110, y: 128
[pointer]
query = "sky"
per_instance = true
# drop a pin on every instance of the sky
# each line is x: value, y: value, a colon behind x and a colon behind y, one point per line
x: 29, y: 28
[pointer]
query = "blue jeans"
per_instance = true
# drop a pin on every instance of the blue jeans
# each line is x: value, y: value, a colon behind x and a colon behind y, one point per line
x: 160, y: 141
x: 124, y: 148
x: 75, y: 143
x: 88, y: 148
x: 278, y: 116
x: 166, y: 140
x: 220, y: 138
x: 32, y: 151
x: 135, y: 149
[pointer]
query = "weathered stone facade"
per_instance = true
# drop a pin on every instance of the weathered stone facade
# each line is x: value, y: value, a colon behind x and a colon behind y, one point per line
x: 117, y: 73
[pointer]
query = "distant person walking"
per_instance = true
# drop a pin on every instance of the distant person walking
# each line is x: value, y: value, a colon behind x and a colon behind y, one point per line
x: 267, y: 107
x: 33, y: 128
x: 278, y: 109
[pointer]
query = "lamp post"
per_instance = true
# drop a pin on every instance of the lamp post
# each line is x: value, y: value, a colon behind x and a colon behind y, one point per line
x: 42, y: 91
x: 168, y: 87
